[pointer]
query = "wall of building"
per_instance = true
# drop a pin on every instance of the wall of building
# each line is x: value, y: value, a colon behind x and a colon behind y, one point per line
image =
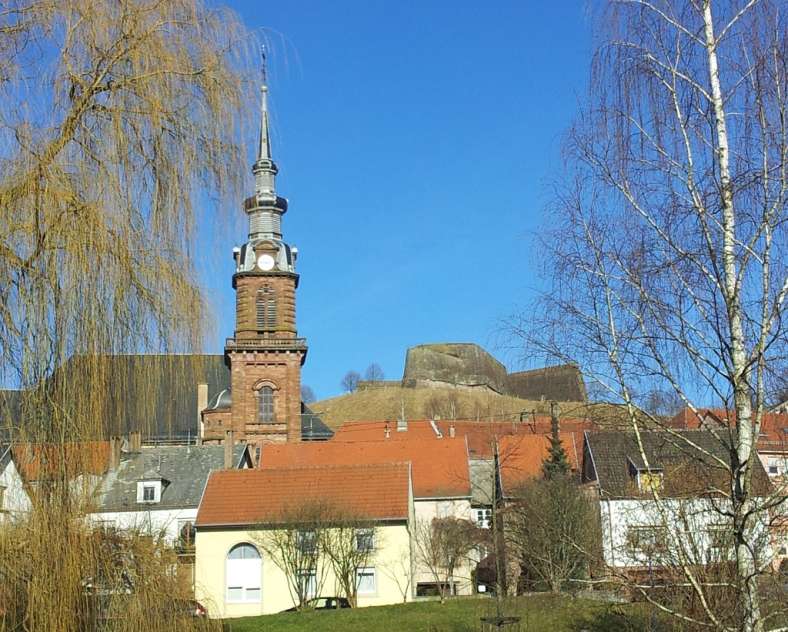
x: 425, y: 510
x: 164, y: 522
x: 391, y: 561
x: 686, y: 523
x: 15, y: 500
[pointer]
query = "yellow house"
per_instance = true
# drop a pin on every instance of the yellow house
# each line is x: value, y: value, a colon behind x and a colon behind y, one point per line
x: 268, y: 539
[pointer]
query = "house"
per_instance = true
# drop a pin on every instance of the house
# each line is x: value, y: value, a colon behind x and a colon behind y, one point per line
x: 772, y: 441
x: 441, y: 481
x: 641, y: 534
x: 157, y: 489
x: 82, y: 464
x: 14, y: 500
x: 241, y: 511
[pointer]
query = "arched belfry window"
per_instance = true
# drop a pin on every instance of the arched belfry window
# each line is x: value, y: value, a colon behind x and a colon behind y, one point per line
x: 265, y: 404
x: 266, y: 308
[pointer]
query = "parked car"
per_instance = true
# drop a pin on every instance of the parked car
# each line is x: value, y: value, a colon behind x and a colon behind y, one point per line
x: 324, y: 603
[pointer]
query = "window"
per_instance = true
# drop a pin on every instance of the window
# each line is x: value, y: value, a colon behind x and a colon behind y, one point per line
x: 773, y: 467
x: 265, y: 404
x: 307, y: 579
x: 483, y: 518
x: 365, y: 581
x: 365, y: 540
x: 266, y: 308
x: 148, y: 491
x: 186, y: 533
x: 243, y: 572
x: 720, y: 543
x: 650, y: 481
x: 646, y: 541
x: 307, y: 542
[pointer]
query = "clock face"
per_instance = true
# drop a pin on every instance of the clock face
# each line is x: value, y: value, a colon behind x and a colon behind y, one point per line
x: 265, y: 262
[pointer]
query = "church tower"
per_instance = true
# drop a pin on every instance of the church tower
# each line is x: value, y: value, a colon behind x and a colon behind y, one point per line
x: 265, y: 354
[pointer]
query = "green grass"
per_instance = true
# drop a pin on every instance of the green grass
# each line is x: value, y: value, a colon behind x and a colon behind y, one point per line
x: 538, y: 612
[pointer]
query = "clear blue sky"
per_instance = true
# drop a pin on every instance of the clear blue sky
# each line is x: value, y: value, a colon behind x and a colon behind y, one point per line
x: 414, y: 141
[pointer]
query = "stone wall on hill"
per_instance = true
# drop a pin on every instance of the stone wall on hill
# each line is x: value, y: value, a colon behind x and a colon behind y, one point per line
x: 468, y: 366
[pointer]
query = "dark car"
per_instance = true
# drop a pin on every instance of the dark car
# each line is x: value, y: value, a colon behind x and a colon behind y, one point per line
x: 324, y: 603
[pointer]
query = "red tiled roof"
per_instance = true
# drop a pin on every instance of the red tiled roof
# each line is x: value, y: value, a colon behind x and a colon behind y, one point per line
x: 774, y: 426
x: 37, y: 461
x: 270, y: 496
x: 480, y: 434
x: 440, y: 468
x: 521, y: 456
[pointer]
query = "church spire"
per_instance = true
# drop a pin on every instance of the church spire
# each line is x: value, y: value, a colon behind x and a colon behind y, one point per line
x: 264, y: 168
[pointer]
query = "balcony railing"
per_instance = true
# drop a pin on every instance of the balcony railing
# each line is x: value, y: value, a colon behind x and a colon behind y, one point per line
x: 266, y: 343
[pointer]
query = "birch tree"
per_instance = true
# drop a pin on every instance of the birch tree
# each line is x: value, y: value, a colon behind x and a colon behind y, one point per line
x: 665, y: 256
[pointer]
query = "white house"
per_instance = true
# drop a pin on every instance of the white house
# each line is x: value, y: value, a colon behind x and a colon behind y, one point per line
x: 14, y: 499
x: 684, y: 520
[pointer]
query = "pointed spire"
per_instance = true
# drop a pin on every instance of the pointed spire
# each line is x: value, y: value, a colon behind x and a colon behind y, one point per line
x: 264, y: 168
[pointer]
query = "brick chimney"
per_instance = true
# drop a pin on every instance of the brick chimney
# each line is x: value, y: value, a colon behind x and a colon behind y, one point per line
x: 228, y: 450
x: 202, y: 404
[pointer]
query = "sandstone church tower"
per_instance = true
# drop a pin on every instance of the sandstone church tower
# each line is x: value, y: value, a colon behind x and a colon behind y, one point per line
x: 265, y: 355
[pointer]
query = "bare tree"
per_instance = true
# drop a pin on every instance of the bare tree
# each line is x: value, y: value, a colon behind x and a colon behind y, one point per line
x: 668, y: 259
x: 350, y: 381
x: 374, y: 373
x: 442, y: 546
x: 349, y: 545
x: 399, y: 570
x: 296, y: 544
x: 307, y: 394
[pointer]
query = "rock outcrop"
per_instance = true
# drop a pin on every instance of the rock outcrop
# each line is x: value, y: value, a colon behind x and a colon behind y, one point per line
x: 463, y: 365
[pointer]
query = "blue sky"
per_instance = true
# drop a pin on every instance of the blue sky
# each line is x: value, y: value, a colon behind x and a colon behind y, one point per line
x: 415, y: 141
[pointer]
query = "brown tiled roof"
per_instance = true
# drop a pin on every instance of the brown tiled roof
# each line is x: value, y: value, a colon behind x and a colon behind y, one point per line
x: 440, y: 468
x: 481, y: 435
x: 687, y: 471
x: 273, y: 496
x: 39, y: 461
x: 774, y: 426
x: 520, y: 457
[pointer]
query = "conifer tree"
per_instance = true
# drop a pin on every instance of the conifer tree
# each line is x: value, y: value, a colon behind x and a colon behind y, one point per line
x: 556, y: 464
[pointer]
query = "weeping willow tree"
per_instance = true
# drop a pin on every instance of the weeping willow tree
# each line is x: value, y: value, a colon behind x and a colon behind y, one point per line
x: 117, y: 118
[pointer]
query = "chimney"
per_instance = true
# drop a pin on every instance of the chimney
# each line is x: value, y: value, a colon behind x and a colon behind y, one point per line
x: 202, y: 404
x: 228, y: 450
x: 114, y: 453
x: 402, y: 422
x: 452, y: 432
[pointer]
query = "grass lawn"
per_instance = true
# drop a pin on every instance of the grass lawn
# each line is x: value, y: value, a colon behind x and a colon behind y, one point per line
x: 538, y: 612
